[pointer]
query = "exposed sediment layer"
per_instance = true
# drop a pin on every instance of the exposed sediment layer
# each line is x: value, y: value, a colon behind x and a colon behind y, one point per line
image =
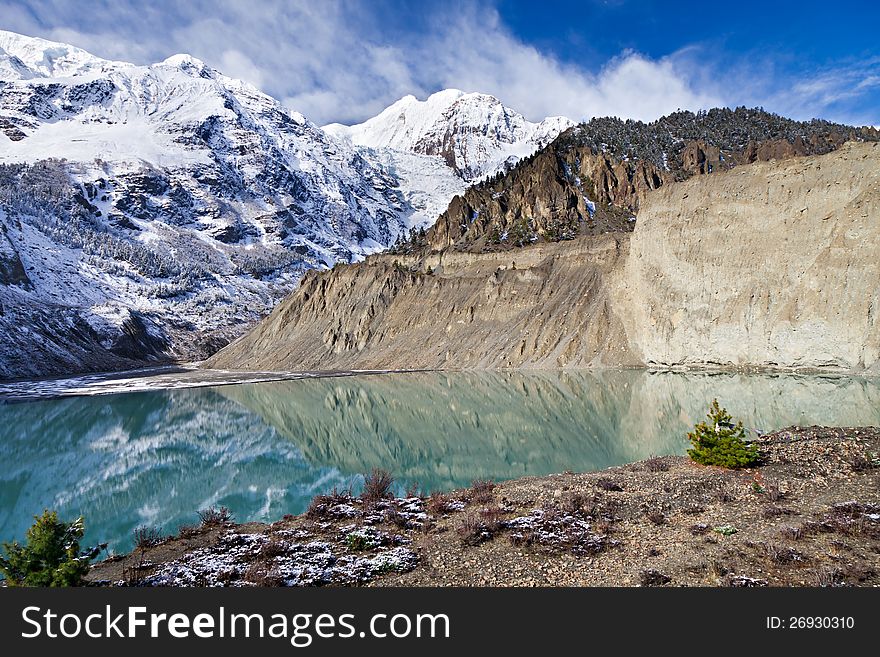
x: 774, y: 264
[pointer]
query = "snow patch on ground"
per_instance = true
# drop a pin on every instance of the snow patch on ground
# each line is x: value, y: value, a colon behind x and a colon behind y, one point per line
x: 245, y: 560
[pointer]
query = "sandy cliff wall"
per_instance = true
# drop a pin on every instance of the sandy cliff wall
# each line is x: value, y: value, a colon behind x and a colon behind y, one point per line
x: 774, y: 264
x: 770, y: 265
x: 545, y: 306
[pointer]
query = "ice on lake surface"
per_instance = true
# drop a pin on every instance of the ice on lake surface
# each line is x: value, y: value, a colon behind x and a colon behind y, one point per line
x: 264, y: 449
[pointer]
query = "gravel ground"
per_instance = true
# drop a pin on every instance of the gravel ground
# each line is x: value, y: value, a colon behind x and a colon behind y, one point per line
x: 809, y: 515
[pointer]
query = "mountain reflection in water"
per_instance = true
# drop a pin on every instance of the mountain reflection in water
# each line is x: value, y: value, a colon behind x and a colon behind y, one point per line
x: 265, y: 449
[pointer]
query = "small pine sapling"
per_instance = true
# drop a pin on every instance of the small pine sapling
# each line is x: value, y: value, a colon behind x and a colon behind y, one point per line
x: 720, y: 442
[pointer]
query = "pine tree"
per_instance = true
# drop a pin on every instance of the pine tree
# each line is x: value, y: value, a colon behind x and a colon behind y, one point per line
x: 51, y: 556
x: 720, y: 442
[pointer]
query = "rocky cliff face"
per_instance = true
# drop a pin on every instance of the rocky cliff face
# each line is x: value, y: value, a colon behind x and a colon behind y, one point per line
x: 591, y: 179
x: 770, y: 265
x: 541, y: 306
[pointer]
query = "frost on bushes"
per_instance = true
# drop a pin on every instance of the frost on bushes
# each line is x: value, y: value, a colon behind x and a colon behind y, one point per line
x: 238, y: 560
x: 557, y: 531
x: 720, y: 442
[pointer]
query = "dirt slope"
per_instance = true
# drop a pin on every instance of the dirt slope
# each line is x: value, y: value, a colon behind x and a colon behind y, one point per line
x: 769, y: 265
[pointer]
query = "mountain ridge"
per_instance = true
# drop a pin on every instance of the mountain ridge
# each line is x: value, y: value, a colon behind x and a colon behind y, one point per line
x: 155, y: 212
x: 687, y: 288
x: 474, y: 133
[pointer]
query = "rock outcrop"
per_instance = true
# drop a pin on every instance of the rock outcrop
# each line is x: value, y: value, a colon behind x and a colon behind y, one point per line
x: 769, y: 265
x: 591, y: 179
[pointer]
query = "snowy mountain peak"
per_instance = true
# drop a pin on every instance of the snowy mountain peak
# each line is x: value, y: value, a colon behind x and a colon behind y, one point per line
x: 166, y: 201
x: 189, y: 64
x: 474, y: 133
x: 43, y: 58
x: 148, y: 211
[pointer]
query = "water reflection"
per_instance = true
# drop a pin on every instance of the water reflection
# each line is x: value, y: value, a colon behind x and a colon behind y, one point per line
x: 265, y: 449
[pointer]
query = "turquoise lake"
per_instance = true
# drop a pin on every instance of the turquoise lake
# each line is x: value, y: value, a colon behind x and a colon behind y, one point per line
x: 265, y: 449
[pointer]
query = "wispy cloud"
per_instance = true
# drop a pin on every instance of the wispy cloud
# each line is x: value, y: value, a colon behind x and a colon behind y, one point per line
x: 335, y: 60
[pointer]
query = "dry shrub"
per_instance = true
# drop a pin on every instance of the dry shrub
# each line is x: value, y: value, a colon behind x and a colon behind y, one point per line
x: 482, y: 491
x: 791, y: 533
x: 725, y: 493
x: 656, y: 464
x: 440, y: 503
x: 377, y: 486
x: 773, y: 493
x: 215, y: 517
x: 572, y: 502
x: 262, y: 574
x: 609, y: 485
x: 272, y: 549
x: 189, y: 531
x: 828, y: 577
x: 773, y: 511
x: 320, y: 505
x: 651, y: 577
x: 147, y: 537
x: 476, y: 528
x: 779, y: 554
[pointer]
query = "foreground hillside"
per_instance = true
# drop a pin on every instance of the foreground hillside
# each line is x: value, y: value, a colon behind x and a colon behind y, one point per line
x: 773, y: 264
x: 808, y: 516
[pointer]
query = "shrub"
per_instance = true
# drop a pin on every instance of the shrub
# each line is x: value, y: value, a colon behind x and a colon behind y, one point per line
x: 214, y: 517
x: 482, y: 491
x: 656, y: 464
x: 189, y: 531
x: 51, y: 555
x: 863, y: 462
x: 652, y: 577
x: 377, y: 485
x: 609, y: 485
x: 572, y: 503
x: 322, y: 505
x: 724, y: 493
x: 720, y: 442
x: 440, y: 503
x: 147, y: 537
x: 476, y: 528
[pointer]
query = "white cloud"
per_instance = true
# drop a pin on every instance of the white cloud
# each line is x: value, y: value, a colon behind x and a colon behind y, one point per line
x: 236, y: 64
x: 335, y: 60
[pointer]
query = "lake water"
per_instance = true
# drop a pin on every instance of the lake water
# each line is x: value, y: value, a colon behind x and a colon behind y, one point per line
x: 265, y: 449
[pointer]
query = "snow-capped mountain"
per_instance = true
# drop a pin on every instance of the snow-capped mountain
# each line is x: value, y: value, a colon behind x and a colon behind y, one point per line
x: 156, y: 211
x: 474, y: 134
x: 168, y: 204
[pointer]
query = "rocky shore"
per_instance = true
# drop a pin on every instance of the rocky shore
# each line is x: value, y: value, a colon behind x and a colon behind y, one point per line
x: 809, y: 515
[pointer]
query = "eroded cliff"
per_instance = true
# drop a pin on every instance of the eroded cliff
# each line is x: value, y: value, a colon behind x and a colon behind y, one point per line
x: 768, y: 265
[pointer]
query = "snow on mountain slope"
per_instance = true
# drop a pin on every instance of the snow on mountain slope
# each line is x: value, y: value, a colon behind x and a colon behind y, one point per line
x: 41, y: 58
x: 156, y: 211
x: 473, y: 133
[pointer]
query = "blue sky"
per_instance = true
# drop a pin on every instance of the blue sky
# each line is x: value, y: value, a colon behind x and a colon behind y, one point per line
x: 345, y: 60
